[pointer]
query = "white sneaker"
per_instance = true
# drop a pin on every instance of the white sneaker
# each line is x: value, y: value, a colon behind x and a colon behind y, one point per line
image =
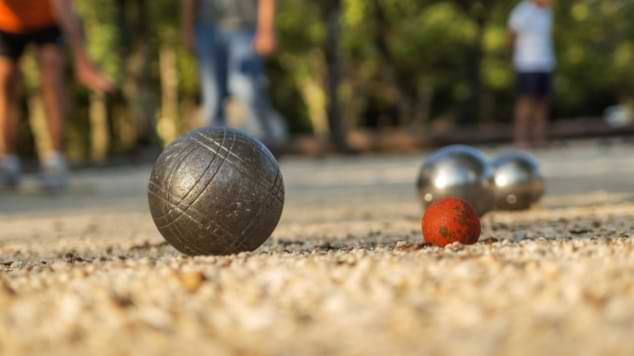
x: 54, y: 172
x: 10, y: 172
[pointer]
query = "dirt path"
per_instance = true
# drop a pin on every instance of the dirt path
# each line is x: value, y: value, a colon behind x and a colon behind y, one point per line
x: 88, y: 274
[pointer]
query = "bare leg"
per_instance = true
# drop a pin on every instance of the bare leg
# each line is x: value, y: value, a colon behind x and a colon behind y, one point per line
x: 51, y: 63
x: 541, y: 121
x: 9, y: 84
x: 523, y: 110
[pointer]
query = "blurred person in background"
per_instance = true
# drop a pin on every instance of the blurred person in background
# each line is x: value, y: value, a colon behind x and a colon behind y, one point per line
x: 46, y: 24
x: 230, y: 39
x: 531, y: 25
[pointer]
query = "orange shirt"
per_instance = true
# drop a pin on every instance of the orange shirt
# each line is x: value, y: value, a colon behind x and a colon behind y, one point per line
x: 24, y: 15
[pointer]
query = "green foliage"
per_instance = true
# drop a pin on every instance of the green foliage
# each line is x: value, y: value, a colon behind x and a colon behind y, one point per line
x: 595, y: 56
x: 406, y: 62
x: 100, y: 22
x: 428, y: 52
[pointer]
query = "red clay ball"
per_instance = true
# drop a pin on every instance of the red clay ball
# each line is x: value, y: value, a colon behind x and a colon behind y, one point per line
x: 451, y: 220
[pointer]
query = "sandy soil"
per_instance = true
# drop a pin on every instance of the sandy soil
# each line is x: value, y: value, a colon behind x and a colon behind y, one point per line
x: 345, y: 273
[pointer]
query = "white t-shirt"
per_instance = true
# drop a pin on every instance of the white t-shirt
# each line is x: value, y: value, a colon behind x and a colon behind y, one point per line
x: 533, y: 26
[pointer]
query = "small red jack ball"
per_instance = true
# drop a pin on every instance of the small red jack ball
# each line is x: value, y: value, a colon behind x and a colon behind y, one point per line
x: 451, y: 220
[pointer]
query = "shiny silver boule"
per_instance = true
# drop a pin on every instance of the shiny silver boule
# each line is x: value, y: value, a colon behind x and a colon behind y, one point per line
x: 459, y: 171
x: 518, y: 181
x: 216, y: 192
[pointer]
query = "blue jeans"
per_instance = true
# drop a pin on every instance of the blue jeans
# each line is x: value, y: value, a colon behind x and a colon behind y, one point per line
x: 230, y: 65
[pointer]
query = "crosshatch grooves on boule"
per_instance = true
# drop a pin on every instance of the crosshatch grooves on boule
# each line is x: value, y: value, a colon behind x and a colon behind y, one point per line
x: 216, y: 192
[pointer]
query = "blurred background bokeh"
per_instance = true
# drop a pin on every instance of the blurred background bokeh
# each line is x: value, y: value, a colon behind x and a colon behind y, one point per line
x: 354, y: 65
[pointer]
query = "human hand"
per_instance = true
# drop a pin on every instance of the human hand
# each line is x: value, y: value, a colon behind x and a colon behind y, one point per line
x: 91, y: 77
x: 264, y: 43
x: 188, y: 40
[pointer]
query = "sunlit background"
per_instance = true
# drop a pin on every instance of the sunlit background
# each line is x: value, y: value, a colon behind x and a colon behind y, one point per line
x: 413, y: 64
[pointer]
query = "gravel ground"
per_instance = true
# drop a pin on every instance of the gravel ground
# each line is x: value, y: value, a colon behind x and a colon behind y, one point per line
x: 345, y: 273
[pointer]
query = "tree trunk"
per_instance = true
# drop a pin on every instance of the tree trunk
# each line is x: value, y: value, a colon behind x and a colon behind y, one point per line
x: 471, y: 110
x: 136, y: 86
x: 403, y: 102
x: 168, y: 126
x: 333, y: 76
x: 99, y: 132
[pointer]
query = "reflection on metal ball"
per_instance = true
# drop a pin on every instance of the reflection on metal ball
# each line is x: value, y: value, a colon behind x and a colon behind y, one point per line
x: 518, y: 180
x: 459, y: 171
x: 216, y: 192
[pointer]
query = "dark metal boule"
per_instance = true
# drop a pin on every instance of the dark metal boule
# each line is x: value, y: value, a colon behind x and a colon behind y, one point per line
x: 216, y: 192
x: 458, y: 171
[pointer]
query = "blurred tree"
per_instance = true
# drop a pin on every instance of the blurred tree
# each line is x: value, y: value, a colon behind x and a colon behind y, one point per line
x: 332, y: 18
x: 347, y: 64
x: 136, y: 50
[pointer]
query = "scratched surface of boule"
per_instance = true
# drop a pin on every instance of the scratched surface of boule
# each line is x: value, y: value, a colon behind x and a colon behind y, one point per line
x: 344, y: 274
x: 216, y: 192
